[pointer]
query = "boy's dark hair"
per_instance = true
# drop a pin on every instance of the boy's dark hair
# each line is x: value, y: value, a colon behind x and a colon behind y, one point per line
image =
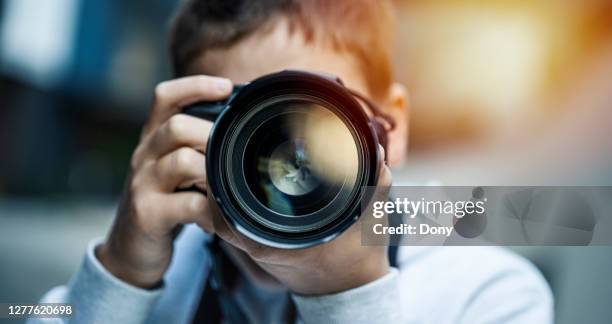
x: 363, y: 28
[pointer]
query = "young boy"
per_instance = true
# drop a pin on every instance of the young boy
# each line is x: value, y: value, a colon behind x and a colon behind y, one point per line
x: 141, y: 273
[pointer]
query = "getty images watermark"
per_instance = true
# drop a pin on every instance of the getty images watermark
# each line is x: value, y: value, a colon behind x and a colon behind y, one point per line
x: 487, y: 216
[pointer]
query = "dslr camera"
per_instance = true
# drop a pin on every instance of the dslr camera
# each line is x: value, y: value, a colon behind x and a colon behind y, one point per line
x: 290, y: 155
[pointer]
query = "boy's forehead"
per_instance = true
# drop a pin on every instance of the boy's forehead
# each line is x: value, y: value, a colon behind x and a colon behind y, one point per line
x: 276, y: 50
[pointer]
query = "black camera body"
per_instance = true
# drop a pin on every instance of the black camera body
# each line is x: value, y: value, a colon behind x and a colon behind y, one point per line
x: 289, y: 156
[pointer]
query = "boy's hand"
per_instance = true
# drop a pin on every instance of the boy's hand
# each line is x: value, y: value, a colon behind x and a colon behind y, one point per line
x: 171, y: 156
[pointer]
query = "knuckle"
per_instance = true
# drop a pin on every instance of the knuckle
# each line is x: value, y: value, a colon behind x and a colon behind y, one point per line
x: 161, y: 90
x: 142, y: 207
x: 134, y: 162
x: 198, y: 204
x: 136, y: 184
x: 176, y: 125
x: 136, y: 159
x: 184, y: 158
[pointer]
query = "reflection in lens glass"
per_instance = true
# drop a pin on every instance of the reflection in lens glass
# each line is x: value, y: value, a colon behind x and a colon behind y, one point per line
x: 331, y: 146
x: 301, y: 159
x: 290, y: 170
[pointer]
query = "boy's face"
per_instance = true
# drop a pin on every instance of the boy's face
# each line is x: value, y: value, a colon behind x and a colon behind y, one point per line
x: 278, y: 50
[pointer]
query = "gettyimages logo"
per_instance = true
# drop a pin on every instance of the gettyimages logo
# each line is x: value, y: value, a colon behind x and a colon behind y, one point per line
x: 489, y: 216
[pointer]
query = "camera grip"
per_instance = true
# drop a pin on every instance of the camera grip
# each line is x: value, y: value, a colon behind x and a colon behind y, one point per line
x: 206, y: 110
x: 210, y: 110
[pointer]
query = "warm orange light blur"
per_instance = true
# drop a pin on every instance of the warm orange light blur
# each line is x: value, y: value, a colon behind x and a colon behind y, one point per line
x: 481, y: 69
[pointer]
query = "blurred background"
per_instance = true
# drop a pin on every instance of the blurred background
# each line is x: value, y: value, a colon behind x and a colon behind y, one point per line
x: 501, y: 93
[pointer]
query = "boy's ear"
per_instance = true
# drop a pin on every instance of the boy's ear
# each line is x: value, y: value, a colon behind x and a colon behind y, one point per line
x: 397, y: 107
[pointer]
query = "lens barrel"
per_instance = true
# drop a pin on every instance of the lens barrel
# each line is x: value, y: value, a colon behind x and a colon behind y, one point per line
x: 288, y: 157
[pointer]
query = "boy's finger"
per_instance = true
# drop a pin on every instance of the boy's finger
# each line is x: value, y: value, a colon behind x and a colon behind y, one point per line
x: 178, y: 131
x: 385, y: 178
x: 184, y: 208
x: 172, y: 95
x: 181, y: 168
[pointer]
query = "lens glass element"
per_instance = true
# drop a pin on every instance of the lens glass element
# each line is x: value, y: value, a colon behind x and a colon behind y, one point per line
x: 289, y: 168
x: 299, y: 162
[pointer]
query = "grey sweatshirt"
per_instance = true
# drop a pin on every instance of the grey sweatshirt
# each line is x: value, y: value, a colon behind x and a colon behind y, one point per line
x: 431, y: 285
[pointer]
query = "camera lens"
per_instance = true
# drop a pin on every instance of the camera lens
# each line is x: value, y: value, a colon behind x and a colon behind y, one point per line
x: 295, y: 163
x: 289, y: 156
